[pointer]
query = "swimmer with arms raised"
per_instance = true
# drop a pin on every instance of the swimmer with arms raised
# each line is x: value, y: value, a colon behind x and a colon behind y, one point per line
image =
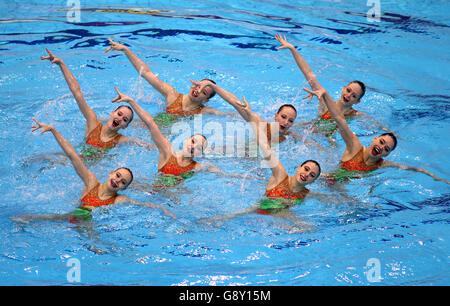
x: 351, y: 94
x: 94, y: 194
x: 169, y: 161
x: 176, y: 103
x: 356, y: 156
x: 98, y: 135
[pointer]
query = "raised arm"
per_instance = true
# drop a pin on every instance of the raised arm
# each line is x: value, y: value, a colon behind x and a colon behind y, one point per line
x: 88, y: 113
x: 246, y: 114
x: 142, y: 68
x: 351, y: 140
x: 88, y: 178
x: 301, y: 63
x: 304, y: 68
x: 163, y: 144
x: 404, y: 167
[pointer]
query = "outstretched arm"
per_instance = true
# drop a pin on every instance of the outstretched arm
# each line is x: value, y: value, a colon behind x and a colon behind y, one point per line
x: 122, y: 199
x: 161, y: 142
x: 247, y: 113
x: 142, y: 68
x: 88, y: 178
x: 88, y: 113
x: 212, y: 168
x: 404, y: 167
x: 304, y: 68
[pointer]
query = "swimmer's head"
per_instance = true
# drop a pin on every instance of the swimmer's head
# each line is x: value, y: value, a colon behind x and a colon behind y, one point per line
x: 119, y: 179
x: 352, y: 93
x: 202, y: 92
x: 307, y: 172
x: 285, y: 117
x: 383, y: 145
x: 194, y: 145
x: 120, y: 118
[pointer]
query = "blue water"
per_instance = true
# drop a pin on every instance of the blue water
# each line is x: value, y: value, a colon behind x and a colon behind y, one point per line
x: 401, y: 219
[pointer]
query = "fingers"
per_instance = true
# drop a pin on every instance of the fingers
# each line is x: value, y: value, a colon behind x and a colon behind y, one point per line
x: 117, y: 90
x: 107, y: 49
x: 36, y: 127
x: 310, y: 91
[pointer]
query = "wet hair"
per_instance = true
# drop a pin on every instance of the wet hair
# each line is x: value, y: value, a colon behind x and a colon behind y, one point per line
x: 362, y: 85
x: 213, y: 93
x: 131, y: 110
x: 287, y: 105
x: 393, y: 138
x: 314, y: 162
x: 131, y: 174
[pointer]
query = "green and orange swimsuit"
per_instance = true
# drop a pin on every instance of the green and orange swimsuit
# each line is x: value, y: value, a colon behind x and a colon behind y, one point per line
x: 174, y: 111
x: 352, y: 168
x: 327, y: 125
x: 272, y: 202
x: 174, y: 173
x: 90, y: 201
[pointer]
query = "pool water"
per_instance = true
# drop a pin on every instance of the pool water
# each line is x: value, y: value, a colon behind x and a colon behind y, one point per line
x: 397, y: 219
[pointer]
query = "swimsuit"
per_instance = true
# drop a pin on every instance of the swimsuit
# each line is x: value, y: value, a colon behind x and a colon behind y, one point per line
x: 327, y: 115
x: 177, y: 107
x: 352, y: 169
x: 357, y: 163
x: 281, y: 191
x: 327, y: 125
x: 89, y: 202
x: 173, y: 167
x: 174, y: 174
x: 94, y: 138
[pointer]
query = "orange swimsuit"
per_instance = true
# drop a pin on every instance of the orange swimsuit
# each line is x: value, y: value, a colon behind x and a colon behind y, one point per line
x: 357, y: 163
x: 172, y: 167
x: 282, y: 191
x: 94, y: 138
x: 327, y: 115
x: 177, y: 107
x: 91, y: 199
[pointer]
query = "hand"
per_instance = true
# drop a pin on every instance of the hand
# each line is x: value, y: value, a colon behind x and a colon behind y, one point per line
x: 43, y: 126
x: 244, y: 104
x: 51, y: 57
x: 195, y: 84
x: 121, y: 97
x: 318, y: 93
x: 284, y: 43
x: 115, y: 46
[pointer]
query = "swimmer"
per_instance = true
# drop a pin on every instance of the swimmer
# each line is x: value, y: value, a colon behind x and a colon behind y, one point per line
x: 351, y: 94
x: 176, y: 103
x: 179, y: 163
x: 282, y: 191
x: 283, y: 119
x: 97, y: 135
x: 93, y: 194
x: 355, y: 156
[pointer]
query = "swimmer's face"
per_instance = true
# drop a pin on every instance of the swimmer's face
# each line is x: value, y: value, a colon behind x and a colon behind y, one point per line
x: 285, y: 118
x: 307, y: 173
x: 351, y: 94
x: 120, y: 118
x: 381, y: 146
x: 119, y: 180
x: 201, y: 92
x: 194, y: 146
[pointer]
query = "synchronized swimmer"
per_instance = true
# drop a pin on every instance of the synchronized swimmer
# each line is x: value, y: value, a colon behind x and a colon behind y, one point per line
x: 282, y: 190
